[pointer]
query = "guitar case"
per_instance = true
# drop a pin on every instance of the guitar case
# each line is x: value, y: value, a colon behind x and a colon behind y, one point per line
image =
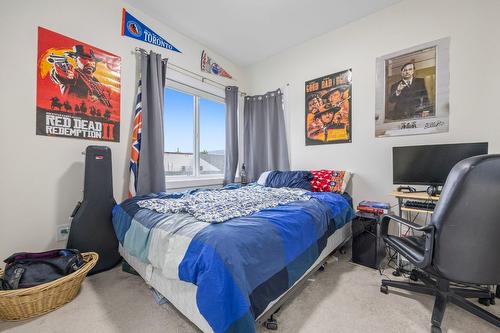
x: 91, y: 227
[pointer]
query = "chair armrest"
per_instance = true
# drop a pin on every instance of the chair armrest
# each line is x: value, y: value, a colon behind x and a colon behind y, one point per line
x: 428, y: 232
x: 409, y: 224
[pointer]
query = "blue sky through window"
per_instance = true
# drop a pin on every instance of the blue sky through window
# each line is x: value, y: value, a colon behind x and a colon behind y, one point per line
x: 212, y: 126
x: 178, y: 123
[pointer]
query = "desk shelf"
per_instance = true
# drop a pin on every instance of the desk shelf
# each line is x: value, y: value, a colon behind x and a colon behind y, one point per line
x: 415, y: 195
x: 416, y: 210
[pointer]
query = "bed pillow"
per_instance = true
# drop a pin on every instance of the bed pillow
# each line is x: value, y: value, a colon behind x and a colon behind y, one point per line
x: 330, y: 180
x: 263, y: 177
x: 293, y: 179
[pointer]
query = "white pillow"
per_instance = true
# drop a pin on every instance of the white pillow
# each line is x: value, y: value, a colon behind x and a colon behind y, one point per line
x: 263, y: 177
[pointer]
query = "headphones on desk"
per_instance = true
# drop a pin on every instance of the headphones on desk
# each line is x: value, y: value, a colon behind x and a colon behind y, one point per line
x: 432, y: 190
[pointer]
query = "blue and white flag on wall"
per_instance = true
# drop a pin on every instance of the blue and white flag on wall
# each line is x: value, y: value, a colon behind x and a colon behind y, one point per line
x: 133, y: 28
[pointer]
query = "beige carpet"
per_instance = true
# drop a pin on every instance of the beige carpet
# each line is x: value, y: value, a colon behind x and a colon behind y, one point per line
x: 343, y: 298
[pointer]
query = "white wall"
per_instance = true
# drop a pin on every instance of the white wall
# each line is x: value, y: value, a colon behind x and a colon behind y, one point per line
x: 474, y: 83
x: 42, y: 177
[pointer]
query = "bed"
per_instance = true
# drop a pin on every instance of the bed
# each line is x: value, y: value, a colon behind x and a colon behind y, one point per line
x: 226, y: 277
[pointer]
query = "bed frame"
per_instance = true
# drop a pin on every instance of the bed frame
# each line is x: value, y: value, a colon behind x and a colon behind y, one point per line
x: 267, y: 317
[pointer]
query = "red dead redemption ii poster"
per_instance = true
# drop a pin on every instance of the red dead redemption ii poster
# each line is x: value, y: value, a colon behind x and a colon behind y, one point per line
x: 78, y: 89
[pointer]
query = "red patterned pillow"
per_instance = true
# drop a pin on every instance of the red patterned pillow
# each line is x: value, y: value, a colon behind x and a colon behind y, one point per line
x: 329, y: 180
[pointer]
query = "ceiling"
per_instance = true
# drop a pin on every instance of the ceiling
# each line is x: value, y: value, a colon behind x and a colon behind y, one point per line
x: 246, y: 32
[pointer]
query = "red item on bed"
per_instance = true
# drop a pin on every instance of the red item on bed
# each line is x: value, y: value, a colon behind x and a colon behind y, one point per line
x: 327, y: 180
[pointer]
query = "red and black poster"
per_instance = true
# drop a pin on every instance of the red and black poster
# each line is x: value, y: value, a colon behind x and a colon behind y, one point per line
x: 78, y: 89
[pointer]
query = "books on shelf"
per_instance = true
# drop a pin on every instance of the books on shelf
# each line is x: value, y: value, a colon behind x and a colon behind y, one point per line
x: 374, y: 204
x: 373, y: 210
x: 374, y: 207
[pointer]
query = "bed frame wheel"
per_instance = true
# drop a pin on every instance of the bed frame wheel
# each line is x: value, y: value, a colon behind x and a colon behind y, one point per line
x: 484, y: 301
x: 384, y: 289
x: 435, y: 329
x: 322, y: 267
x: 271, y: 324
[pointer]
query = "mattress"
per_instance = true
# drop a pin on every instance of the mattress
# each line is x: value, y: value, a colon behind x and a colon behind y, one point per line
x: 240, y: 266
x: 182, y: 295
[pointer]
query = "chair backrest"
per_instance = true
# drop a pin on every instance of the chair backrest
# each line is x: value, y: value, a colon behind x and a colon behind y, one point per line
x: 467, y: 222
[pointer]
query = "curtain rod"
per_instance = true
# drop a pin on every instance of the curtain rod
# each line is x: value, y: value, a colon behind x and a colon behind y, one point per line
x: 177, y: 68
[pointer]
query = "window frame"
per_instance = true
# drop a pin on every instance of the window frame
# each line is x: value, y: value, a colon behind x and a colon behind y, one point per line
x: 196, y: 179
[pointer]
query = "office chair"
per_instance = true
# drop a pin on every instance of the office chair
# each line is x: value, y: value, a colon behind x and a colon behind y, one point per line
x: 460, y: 245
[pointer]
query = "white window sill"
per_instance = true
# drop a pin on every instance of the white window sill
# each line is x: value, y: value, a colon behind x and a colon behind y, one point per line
x: 190, y: 182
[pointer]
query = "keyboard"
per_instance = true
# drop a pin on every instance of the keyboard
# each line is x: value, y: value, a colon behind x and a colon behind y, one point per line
x: 420, y: 205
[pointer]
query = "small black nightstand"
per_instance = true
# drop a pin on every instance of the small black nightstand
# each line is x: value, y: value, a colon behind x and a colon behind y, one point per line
x: 368, y: 247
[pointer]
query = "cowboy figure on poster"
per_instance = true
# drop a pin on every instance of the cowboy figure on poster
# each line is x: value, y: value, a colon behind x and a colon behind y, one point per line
x: 79, y: 80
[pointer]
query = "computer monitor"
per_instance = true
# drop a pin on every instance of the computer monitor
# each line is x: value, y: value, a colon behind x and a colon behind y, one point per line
x: 430, y: 164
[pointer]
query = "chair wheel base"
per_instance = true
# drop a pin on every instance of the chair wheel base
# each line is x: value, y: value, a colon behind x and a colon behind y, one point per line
x: 384, y: 289
x: 435, y: 329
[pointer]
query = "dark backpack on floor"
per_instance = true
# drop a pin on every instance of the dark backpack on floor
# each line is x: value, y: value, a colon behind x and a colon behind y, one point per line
x: 24, y: 270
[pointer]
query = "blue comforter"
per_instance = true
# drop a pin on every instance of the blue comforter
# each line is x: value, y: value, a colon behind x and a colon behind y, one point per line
x: 239, y: 266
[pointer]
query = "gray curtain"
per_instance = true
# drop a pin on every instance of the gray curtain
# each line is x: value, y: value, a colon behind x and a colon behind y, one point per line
x: 231, y: 152
x: 265, y: 146
x: 151, y: 173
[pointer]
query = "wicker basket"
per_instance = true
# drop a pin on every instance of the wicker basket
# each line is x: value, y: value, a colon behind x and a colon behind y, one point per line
x: 26, y: 303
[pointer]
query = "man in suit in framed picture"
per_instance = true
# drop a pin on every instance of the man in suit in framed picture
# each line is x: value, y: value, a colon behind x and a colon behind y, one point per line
x: 408, y: 96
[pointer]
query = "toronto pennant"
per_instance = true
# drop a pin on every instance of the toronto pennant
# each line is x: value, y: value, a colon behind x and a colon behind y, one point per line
x: 133, y: 28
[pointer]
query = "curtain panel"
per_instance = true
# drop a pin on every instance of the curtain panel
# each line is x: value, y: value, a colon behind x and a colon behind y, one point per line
x: 231, y: 151
x: 151, y: 170
x: 265, y: 144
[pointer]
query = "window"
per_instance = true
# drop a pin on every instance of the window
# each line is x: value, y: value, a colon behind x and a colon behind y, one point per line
x: 194, y: 135
x: 178, y: 133
x: 212, y: 136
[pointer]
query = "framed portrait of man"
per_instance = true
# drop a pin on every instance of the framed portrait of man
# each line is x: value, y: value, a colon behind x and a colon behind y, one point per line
x: 328, y: 109
x: 412, y: 90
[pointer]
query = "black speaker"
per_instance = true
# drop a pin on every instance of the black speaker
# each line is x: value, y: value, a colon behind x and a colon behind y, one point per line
x: 368, y: 248
x: 91, y: 226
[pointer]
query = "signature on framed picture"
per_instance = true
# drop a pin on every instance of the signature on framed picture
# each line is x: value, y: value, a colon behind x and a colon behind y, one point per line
x: 328, y: 109
x: 412, y: 91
